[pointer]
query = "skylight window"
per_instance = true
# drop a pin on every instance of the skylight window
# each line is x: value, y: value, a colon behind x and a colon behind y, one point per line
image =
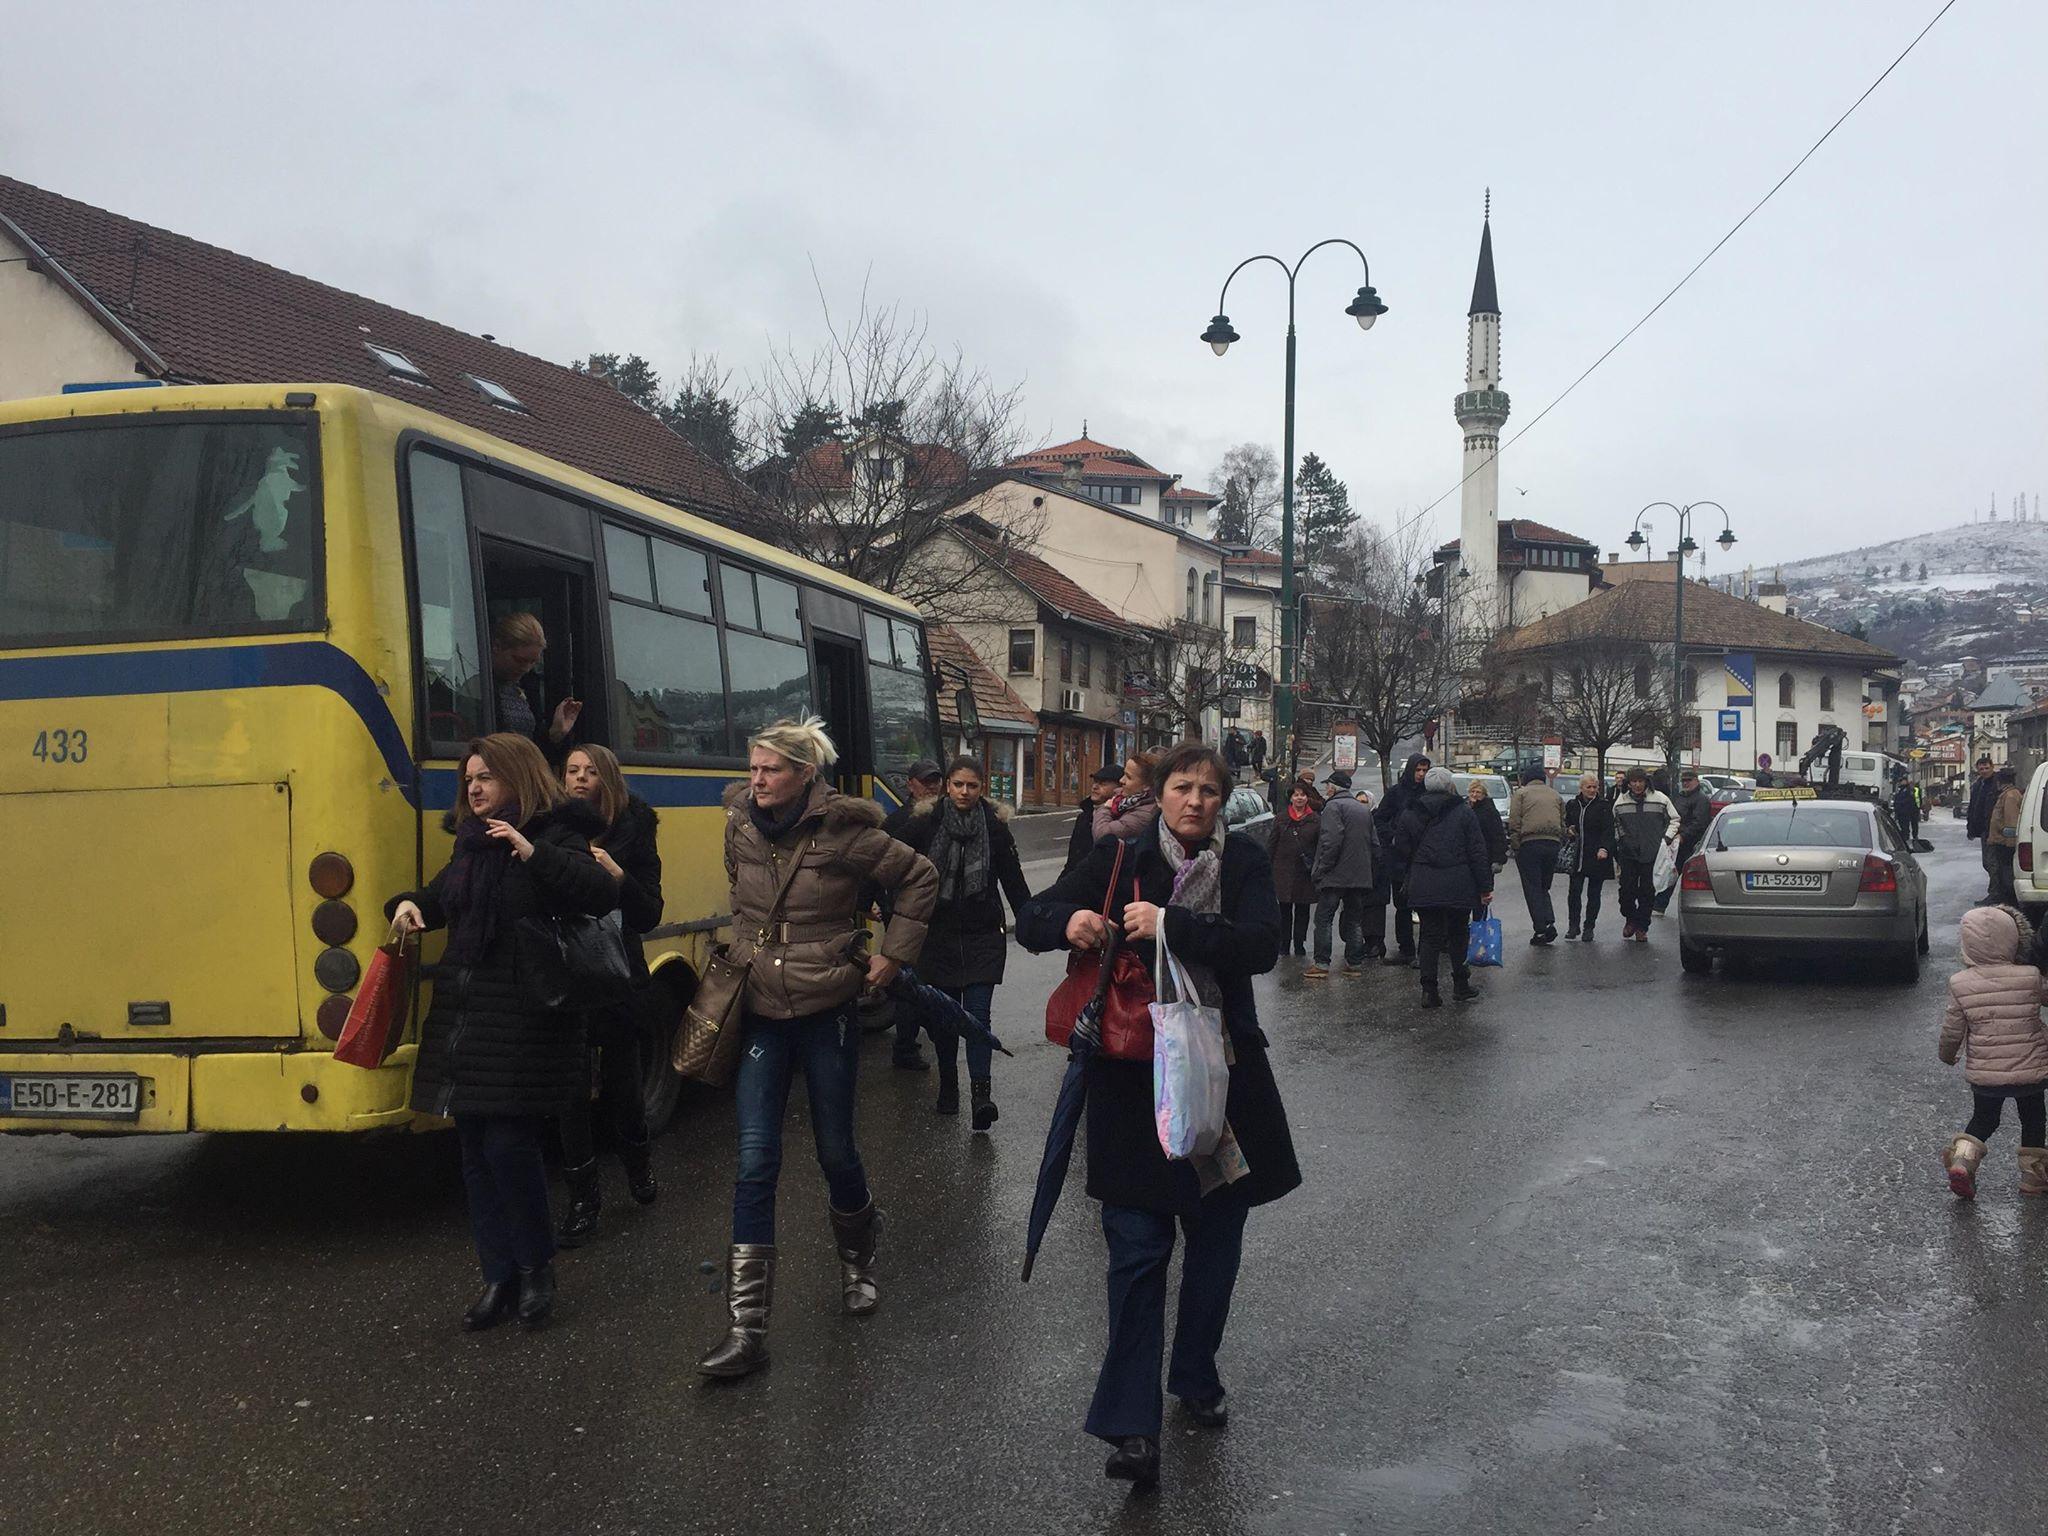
x: 497, y: 394
x: 397, y: 364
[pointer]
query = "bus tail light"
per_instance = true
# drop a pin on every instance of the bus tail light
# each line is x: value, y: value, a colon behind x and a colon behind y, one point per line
x: 331, y: 875
x: 1879, y: 874
x: 332, y: 1015
x: 1695, y: 876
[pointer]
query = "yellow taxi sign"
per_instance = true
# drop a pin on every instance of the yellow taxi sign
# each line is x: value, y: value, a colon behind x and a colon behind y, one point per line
x: 1795, y: 792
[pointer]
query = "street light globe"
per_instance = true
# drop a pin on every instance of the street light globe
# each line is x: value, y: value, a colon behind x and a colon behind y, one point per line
x: 1366, y: 308
x: 1727, y: 538
x: 1219, y: 335
x: 1635, y: 539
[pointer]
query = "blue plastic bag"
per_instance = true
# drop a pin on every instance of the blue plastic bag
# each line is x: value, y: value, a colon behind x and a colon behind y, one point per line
x: 1483, y: 947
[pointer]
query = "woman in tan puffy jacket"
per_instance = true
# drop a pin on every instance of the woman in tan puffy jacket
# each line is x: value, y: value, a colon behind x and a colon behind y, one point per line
x: 786, y: 824
x: 1993, y: 1019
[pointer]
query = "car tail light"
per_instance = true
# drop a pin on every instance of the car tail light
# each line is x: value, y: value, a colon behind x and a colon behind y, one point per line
x: 2026, y: 858
x: 1694, y: 876
x: 1879, y: 874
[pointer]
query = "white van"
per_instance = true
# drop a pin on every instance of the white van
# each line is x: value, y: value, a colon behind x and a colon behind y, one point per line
x: 1866, y: 770
x: 2030, y: 859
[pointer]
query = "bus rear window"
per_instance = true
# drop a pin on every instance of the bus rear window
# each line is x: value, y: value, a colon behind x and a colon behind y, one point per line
x: 158, y: 530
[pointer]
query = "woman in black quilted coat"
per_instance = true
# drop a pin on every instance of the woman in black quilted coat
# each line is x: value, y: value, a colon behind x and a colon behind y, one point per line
x: 491, y: 1055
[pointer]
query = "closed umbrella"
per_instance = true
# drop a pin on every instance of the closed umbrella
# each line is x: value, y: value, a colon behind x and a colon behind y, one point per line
x: 1066, y: 1109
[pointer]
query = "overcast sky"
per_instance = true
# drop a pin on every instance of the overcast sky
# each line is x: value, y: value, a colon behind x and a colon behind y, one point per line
x: 1060, y: 189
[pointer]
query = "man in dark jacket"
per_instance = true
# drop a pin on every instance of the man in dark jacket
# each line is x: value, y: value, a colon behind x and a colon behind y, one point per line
x: 1906, y: 806
x: 1439, y: 843
x: 1101, y: 790
x: 1343, y: 875
x: 1695, y: 810
x: 1977, y: 826
x: 1644, y: 821
x: 1258, y: 753
x: 926, y: 781
x: 1400, y: 795
x: 1234, y: 752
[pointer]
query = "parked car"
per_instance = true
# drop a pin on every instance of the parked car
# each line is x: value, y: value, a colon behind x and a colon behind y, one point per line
x: 2030, y: 858
x: 1729, y: 794
x: 1788, y: 874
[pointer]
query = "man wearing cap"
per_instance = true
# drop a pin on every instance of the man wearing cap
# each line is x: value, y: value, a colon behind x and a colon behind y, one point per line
x: 1695, y: 810
x: 1343, y: 875
x: 1644, y: 821
x: 927, y: 780
x: 1101, y: 790
x: 1535, y: 832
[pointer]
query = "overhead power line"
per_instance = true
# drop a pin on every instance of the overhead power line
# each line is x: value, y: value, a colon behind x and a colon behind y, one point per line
x: 1733, y: 231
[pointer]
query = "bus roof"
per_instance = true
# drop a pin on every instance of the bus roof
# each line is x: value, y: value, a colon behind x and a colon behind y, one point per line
x: 397, y: 416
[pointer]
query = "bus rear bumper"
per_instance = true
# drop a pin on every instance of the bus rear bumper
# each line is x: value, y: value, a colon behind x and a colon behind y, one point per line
x: 232, y: 1091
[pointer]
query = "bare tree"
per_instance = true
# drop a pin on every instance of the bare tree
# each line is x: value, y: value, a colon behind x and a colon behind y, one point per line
x: 1248, y: 480
x: 1194, y: 668
x: 868, y: 446
x: 1603, y: 689
x: 1374, y: 647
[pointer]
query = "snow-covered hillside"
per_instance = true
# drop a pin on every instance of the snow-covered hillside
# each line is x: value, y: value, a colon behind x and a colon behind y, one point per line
x: 1977, y: 556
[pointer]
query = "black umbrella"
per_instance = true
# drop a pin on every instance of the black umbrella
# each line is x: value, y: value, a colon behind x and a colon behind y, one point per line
x: 1066, y: 1109
x: 939, y: 1013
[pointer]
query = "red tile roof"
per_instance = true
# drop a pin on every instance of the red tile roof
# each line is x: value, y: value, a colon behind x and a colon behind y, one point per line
x: 996, y: 699
x: 1522, y: 530
x: 829, y: 466
x: 1250, y: 557
x: 1098, y: 461
x: 1189, y: 493
x: 215, y: 317
x: 1048, y: 585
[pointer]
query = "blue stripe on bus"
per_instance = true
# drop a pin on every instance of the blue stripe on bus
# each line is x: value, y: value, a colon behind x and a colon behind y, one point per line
x: 663, y: 791
x: 308, y: 664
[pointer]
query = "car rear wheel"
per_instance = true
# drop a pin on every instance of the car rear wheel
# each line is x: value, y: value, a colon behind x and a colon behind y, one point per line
x: 1924, y: 946
x: 1694, y: 960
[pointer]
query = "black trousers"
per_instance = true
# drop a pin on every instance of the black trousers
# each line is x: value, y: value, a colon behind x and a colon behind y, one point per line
x: 1404, y: 921
x: 616, y: 1044
x: 1444, y: 930
x: 1638, y: 894
x: 1294, y: 916
x: 1990, y: 1109
x: 508, y: 1193
x: 1589, y: 889
x: 1536, y: 862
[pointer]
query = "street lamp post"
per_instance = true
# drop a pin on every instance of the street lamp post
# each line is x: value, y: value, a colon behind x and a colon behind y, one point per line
x: 1686, y: 546
x: 1365, y: 309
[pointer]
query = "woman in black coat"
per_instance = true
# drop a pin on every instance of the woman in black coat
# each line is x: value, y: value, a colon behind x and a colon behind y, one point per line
x: 970, y: 844
x: 1450, y: 875
x: 1588, y: 856
x: 1220, y: 918
x: 626, y: 850
x: 491, y: 1055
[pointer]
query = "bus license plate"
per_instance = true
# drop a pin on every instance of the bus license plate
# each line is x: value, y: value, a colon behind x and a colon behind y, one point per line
x: 1784, y: 880
x: 71, y: 1096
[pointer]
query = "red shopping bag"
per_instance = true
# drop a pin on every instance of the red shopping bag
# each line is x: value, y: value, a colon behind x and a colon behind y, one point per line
x: 377, y: 1016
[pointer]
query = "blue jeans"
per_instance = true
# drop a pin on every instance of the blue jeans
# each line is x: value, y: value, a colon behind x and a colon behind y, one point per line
x: 1127, y: 1397
x: 508, y: 1193
x: 827, y: 1046
x: 977, y: 998
x: 1346, y: 905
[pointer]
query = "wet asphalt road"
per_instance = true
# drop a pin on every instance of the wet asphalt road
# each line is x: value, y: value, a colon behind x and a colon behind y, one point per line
x: 1613, y: 1247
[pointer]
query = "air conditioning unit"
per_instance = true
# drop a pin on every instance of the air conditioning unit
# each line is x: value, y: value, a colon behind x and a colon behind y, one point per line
x: 1071, y: 700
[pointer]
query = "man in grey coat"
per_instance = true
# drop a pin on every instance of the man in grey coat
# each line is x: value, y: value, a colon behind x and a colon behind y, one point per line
x: 1343, y: 873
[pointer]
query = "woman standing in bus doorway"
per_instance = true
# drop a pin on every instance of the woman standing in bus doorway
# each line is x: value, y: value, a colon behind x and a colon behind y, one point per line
x: 492, y: 1056
x: 786, y: 824
x: 628, y: 852
x: 972, y: 849
x: 517, y: 645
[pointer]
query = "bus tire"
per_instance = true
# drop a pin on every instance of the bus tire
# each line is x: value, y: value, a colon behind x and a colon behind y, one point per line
x: 661, y: 1014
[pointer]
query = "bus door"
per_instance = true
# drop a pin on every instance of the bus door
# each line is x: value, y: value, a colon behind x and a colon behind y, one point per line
x: 838, y: 670
x: 561, y: 594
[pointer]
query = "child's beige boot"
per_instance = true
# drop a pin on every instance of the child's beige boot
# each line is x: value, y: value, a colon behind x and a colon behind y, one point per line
x: 1961, y: 1159
x: 2034, y: 1170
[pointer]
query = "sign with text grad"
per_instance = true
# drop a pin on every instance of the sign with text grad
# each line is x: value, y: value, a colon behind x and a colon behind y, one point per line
x: 1741, y: 669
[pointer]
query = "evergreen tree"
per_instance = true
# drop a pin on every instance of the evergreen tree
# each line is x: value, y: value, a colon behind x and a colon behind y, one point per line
x: 703, y: 417
x: 811, y: 423
x: 1923, y: 570
x: 1323, y: 518
x: 632, y: 376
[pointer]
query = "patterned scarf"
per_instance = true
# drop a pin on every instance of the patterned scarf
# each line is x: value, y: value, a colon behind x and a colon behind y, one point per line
x: 1197, y: 886
x: 960, y: 851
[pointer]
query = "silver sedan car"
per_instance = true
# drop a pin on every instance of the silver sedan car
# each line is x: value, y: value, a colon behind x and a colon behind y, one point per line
x: 1777, y: 875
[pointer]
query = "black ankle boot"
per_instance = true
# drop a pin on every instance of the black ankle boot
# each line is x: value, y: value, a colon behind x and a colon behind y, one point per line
x: 949, y: 1088
x: 585, y: 1201
x: 1431, y: 998
x: 492, y: 1307
x: 638, y: 1159
x: 536, y: 1295
x: 985, y: 1111
x: 1136, y: 1461
x: 1462, y: 988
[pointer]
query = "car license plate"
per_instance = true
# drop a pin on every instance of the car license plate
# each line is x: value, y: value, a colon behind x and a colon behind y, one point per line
x: 1783, y: 880
x: 71, y: 1096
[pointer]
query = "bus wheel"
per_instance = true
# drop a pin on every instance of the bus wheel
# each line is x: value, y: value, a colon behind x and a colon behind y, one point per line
x: 661, y: 1013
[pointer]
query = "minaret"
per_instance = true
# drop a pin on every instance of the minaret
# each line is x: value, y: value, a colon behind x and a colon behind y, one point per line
x: 1481, y: 410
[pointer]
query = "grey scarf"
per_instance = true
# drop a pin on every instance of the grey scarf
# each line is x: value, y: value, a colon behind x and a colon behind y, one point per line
x: 1197, y: 886
x: 960, y: 852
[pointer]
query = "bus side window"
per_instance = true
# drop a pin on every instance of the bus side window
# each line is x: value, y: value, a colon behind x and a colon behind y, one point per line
x: 450, y: 659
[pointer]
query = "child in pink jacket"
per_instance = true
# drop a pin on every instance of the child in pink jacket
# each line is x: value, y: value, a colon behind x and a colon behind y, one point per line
x: 1993, y: 1018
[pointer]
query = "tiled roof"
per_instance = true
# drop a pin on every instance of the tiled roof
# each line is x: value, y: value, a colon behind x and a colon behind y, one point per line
x: 996, y: 699
x: 2001, y: 693
x: 1641, y: 611
x: 1260, y: 557
x: 215, y: 317
x: 1048, y: 585
x: 1189, y: 493
x: 1098, y: 461
x: 829, y: 466
x: 1521, y: 530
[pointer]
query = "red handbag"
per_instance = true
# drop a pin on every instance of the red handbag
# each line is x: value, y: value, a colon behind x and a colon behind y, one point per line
x: 377, y: 1017
x: 1127, y: 1007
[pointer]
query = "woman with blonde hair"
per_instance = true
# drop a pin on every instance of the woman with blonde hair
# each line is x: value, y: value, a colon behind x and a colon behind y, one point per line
x: 800, y: 857
x: 627, y: 851
x: 492, y: 1056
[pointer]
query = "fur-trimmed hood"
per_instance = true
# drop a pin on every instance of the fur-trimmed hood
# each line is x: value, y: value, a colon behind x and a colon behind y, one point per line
x: 927, y: 806
x: 837, y: 810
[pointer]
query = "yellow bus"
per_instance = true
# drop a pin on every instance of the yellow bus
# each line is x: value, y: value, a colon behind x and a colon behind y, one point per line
x: 244, y: 635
